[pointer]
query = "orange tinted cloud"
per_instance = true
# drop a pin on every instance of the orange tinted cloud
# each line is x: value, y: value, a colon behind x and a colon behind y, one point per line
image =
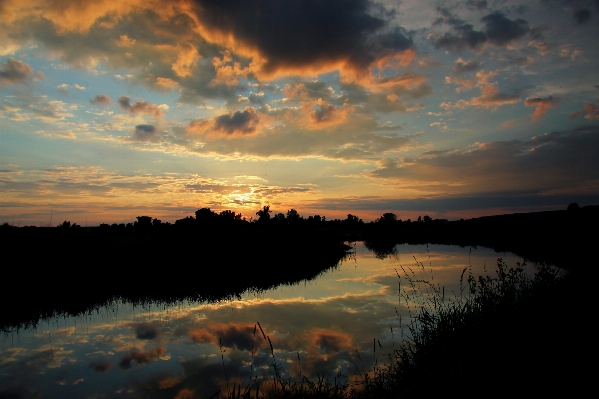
x: 591, y: 112
x: 227, y: 71
x: 297, y: 37
x: 491, y: 98
x: 186, y: 60
x: 141, y: 357
x: 166, y: 83
x: 235, y: 124
x: 329, y: 342
x: 463, y: 83
x: 542, y: 105
x: 102, y: 99
x: 140, y: 106
x: 319, y: 114
x: 230, y: 335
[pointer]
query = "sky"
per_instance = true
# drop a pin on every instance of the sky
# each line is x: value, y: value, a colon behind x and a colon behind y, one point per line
x: 111, y: 110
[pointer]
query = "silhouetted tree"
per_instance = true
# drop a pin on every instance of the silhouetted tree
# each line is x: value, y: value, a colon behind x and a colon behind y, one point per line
x: 352, y: 219
x: 427, y: 219
x: 292, y: 216
x: 143, y: 222
x: 387, y: 218
x: 229, y: 215
x: 186, y: 222
x: 264, y: 214
x: 205, y: 216
x: 573, y: 207
x: 316, y: 219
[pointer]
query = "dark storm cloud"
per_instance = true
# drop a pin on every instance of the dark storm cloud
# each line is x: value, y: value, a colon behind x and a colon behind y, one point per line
x: 101, y: 99
x: 14, y: 71
x: 581, y: 16
x: 501, y: 30
x: 465, y: 37
x: 298, y: 33
x: 144, y: 132
x: 241, y: 122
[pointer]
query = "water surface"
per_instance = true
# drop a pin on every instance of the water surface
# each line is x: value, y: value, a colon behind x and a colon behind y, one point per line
x: 338, y: 325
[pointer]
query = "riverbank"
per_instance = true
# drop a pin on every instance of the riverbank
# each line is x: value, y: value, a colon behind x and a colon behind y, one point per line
x: 509, y: 335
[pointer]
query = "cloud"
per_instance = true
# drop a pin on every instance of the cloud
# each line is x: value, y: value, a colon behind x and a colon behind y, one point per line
x: 14, y: 72
x: 239, y: 123
x: 166, y: 83
x: 100, y: 365
x: 307, y: 90
x: 240, y: 336
x: 303, y: 36
x: 537, y: 32
x: 144, y: 133
x: 490, y: 97
x: 462, y: 83
x: 499, y: 31
x: 461, y: 67
x: 591, y: 112
x: 320, y: 114
x: 186, y: 61
x: 465, y: 38
x: 581, y: 16
x: 476, y: 4
x: 141, y: 357
x: 330, y: 342
x: 139, y: 107
x: 542, y: 105
x: 145, y: 330
x: 101, y: 99
x: 297, y: 138
x: 542, y: 46
x: 27, y: 107
x: 566, y: 161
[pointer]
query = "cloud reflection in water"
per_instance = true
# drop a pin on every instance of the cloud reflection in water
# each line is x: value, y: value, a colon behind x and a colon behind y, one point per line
x: 322, y: 327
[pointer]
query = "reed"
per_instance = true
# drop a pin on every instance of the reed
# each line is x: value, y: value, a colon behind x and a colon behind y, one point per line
x: 490, y: 339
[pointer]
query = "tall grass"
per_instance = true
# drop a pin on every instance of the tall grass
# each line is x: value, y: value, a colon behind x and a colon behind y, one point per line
x: 496, y: 337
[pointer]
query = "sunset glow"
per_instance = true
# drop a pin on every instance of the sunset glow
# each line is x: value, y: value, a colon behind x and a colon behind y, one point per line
x: 110, y: 110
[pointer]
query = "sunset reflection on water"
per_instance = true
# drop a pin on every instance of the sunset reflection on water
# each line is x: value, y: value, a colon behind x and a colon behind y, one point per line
x: 324, y: 327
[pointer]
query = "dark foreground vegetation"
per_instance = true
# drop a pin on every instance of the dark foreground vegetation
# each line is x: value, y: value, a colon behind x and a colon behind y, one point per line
x: 503, y: 335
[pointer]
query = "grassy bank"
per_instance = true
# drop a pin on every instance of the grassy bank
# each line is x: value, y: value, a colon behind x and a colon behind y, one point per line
x: 502, y: 334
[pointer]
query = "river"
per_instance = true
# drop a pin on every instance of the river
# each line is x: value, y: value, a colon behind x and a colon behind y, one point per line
x: 338, y: 325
